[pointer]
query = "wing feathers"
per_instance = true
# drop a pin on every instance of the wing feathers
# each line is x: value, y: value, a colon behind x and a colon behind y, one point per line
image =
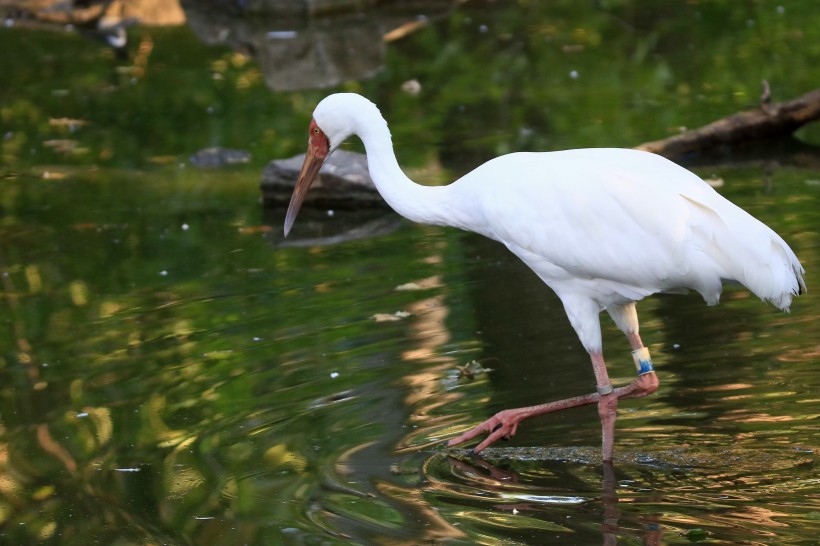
x: 622, y: 224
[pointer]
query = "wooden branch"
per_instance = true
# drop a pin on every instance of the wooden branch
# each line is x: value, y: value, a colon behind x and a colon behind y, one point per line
x: 768, y: 121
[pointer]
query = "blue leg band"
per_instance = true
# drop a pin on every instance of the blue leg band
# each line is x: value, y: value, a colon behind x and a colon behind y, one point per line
x: 643, y: 362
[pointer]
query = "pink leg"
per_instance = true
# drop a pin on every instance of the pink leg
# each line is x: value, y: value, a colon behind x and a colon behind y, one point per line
x: 504, y: 424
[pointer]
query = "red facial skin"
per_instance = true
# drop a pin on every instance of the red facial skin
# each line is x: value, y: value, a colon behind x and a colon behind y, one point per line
x: 318, y: 148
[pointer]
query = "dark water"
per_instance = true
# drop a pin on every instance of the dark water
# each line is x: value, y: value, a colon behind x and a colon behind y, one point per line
x: 171, y: 372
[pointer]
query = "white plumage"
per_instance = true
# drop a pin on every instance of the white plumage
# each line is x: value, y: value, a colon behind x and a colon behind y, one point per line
x: 615, y: 225
x: 603, y: 228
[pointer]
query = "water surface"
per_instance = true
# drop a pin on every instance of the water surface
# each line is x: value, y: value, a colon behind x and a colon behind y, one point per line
x: 174, y: 372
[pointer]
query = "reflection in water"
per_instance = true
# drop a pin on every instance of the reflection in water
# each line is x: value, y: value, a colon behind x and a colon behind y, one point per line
x: 209, y: 416
x: 546, y: 495
x: 170, y: 374
x: 297, y: 45
x: 254, y: 399
x: 422, y: 364
x: 298, y: 49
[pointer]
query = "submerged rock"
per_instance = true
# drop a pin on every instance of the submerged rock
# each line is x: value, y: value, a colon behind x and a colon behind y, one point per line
x: 212, y: 158
x: 343, y: 182
x: 311, y: 44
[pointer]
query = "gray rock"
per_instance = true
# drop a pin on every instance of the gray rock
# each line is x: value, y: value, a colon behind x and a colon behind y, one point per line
x: 311, y: 44
x: 344, y: 182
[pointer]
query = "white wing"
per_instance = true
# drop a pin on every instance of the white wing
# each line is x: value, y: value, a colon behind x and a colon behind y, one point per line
x: 623, y: 224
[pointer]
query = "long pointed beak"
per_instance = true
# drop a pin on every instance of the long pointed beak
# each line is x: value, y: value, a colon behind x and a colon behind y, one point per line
x: 310, y: 168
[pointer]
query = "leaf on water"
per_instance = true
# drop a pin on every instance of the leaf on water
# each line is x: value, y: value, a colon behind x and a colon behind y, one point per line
x: 70, y: 123
x: 219, y: 355
x: 423, y: 284
x: 409, y: 286
x: 386, y: 317
x: 250, y: 230
x: 281, y: 458
x: 472, y: 369
x: 65, y: 146
x: 163, y: 159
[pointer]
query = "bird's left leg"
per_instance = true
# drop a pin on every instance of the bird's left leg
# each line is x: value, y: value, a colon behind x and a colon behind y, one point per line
x: 626, y: 317
x: 607, y: 405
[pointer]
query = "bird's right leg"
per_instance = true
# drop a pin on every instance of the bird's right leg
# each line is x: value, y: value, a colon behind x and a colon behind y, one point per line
x: 504, y: 424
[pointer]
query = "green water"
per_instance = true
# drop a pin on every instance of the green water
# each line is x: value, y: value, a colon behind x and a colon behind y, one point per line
x: 172, y: 373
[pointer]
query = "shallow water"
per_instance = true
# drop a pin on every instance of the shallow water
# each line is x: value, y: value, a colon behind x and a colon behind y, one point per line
x: 182, y: 378
x: 173, y: 371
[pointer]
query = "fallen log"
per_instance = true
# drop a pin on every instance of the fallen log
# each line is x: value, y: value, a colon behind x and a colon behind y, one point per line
x: 766, y: 122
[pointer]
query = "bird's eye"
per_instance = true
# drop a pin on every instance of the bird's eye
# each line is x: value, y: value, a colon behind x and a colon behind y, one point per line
x: 316, y: 130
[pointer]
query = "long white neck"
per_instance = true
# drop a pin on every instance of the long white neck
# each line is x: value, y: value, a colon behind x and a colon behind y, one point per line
x: 425, y: 204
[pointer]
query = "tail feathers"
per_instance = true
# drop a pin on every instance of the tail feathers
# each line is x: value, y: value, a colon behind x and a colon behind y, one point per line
x: 775, y: 276
x: 797, y: 288
x: 801, y: 282
x: 745, y: 250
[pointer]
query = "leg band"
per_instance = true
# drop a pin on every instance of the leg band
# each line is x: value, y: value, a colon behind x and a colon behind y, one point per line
x: 643, y: 362
x: 606, y: 389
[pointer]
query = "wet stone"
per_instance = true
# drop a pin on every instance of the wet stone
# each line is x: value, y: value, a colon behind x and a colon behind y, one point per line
x: 343, y: 182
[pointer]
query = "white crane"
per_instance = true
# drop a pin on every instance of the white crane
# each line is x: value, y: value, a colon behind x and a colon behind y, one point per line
x: 604, y: 228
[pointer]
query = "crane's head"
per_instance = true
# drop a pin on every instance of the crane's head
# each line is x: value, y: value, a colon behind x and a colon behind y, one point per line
x: 335, y: 118
x: 317, y: 151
